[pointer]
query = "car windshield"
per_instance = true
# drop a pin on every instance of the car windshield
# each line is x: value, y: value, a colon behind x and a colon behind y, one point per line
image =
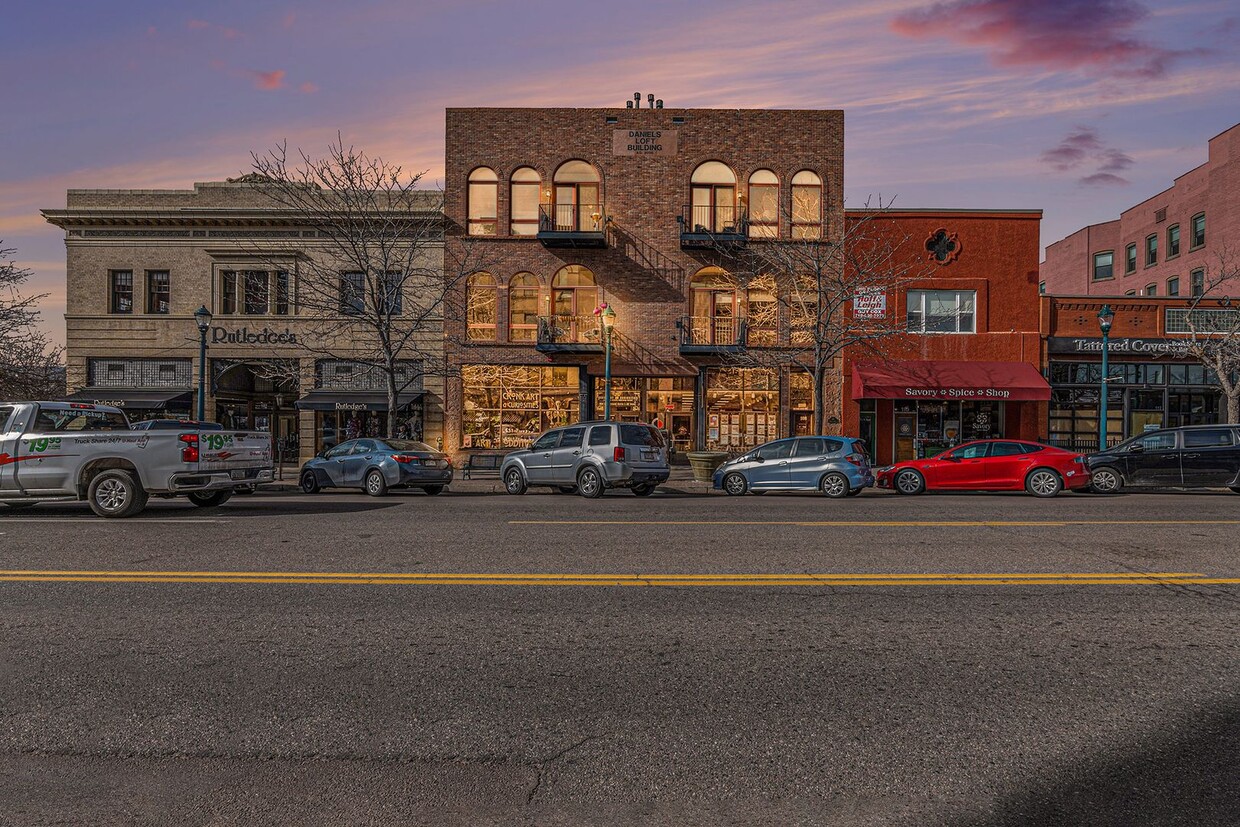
x: 407, y: 445
x: 640, y: 435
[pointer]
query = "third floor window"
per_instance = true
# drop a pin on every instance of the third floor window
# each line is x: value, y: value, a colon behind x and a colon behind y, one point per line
x: 1199, y: 229
x: 1173, y: 240
x: 483, y: 202
x: 1151, y: 250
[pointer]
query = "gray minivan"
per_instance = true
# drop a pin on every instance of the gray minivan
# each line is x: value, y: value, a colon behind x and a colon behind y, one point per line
x: 589, y: 458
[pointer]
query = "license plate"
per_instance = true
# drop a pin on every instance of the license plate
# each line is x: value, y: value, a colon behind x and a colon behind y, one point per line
x: 237, y: 475
x: 649, y: 455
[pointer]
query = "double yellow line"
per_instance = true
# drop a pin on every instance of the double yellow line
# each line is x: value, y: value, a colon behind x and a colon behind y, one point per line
x: 618, y: 579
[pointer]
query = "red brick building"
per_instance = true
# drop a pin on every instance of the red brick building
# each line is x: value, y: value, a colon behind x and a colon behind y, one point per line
x: 1162, y: 246
x: 970, y: 367
x: 570, y: 209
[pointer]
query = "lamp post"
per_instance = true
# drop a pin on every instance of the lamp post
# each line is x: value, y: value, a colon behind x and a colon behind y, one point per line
x: 1105, y: 317
x: 202, y: 318
x: 609, y: 320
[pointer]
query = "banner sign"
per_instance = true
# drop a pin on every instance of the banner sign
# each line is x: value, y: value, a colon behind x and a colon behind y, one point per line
x: 870, y: 304
x: 1145, y: 347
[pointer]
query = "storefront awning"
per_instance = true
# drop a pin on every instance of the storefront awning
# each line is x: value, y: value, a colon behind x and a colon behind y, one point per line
x: 1000, y: 381
x: 321, y: 400
x: 145, y: 399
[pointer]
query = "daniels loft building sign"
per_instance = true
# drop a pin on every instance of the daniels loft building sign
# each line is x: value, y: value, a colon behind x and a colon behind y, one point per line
x: 643, y: 142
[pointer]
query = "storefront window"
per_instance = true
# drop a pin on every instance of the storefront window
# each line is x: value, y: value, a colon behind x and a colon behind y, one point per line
x: 1074, y: 418
x: 508, y: 406
x: 742, y: 407
x: 665, y: 401
x: 801, y: 402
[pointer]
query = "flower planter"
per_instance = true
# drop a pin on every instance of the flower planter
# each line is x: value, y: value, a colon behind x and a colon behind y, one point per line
x: 704, y: 463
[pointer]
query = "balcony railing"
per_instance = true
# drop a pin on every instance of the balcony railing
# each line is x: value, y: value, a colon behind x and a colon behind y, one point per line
x: 572, y: 225
x: 707, y: 226
x: 570, y: 333
x: 708, y: 334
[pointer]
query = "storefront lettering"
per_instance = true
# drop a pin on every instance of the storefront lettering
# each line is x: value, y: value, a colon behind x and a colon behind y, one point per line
x: 643, y: 142
x: 111, y: 403
x: 1167, y: 347
x: 243, y: 336
x: 521, y: 398
x: 958, y: 393
x: 350, y: 406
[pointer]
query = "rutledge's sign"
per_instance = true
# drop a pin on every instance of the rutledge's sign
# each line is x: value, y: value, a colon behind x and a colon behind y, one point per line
x: 1153, y: 347
x: 244, y: 336
x: 643, y: 142
x: 870, y: 304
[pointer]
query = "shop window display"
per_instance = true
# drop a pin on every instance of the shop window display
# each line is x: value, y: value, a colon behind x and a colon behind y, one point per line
x: 667, y: 402
x: 742, y: 408
x: 508, y: 406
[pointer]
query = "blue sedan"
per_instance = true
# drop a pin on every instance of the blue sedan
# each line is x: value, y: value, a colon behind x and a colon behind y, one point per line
x: 377, y: 465
x: 838, y: 466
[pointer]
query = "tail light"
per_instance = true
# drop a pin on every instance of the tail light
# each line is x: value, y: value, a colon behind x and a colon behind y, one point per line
x: 617, y: 455
x: 189, y: 453
x: 447, y: 462
x: 404, y: 459
x: 856, y: 459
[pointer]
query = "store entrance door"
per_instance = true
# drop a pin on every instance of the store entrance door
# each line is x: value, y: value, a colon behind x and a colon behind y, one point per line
x: 906, y: 432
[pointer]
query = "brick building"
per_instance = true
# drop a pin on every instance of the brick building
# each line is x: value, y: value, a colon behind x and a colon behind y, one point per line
x: 970, y: 365
x: 1162, y: 246
x: 140, y: 262
x: 634, y: 208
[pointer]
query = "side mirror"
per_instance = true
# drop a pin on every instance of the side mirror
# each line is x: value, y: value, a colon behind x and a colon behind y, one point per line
x: 758, y: 458
x: 952, y: 458
x: 1136, y: 448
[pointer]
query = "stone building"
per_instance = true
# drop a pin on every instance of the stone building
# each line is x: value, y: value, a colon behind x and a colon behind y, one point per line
x: 140, y: 262
x: 1163, y: 246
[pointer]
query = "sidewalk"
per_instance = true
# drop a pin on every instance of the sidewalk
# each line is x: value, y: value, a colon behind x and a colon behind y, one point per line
x: 681, y: 479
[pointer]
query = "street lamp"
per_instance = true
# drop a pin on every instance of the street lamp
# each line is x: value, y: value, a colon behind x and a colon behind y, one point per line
x: 609, y: 320
x: 1105, y: 317
x: 202, y: 318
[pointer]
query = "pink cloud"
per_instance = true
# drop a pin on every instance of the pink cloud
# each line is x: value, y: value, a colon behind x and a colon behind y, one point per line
x: 197, y: 24
x: 1103, y: 179
x: 1056, y: 34
x: 267, y: 80
x: 1083, y: 145
x: 308, y: 88
x: 227, y: 32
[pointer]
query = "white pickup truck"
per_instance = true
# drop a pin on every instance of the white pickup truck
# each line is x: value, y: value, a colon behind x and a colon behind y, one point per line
x: 73, y: 451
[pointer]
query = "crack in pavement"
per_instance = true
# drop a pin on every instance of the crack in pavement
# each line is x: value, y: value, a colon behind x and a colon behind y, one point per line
x: 541, y: 767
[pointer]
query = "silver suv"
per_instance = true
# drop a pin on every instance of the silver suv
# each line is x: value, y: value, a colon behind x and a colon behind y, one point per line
x: 589, y: 458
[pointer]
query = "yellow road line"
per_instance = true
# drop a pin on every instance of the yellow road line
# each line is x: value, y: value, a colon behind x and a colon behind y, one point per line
x: 881, y: 523
x: 598, y: 576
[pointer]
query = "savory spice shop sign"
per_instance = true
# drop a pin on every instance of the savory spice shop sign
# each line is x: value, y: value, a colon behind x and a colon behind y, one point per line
x: 643, y: 142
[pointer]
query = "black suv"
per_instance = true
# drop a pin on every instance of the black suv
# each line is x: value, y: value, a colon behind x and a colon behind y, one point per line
x: 1196, y: 456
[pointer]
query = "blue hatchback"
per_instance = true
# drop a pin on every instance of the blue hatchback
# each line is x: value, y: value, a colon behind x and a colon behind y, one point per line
x: 838, y: 466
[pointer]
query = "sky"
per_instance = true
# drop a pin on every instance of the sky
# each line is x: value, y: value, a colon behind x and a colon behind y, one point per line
x: 1079, y: 108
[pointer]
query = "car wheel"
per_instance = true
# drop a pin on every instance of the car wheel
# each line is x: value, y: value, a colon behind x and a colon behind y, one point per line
x: 22, y: 505
x: 514, y: 482
x: 834, y: 485
x: 1043, y: 482
x: 909, y: 481
x: 590, y: 483
x: 1106, y: 481
x: 735, y: 485
x: 1234, y: 488
x: 310, y: 483
x: 643, y: 490
x: 210, y: 499
x: 115, y: 493
x: 566, y: 489
x: 433, y: 489
x: 376, y: 485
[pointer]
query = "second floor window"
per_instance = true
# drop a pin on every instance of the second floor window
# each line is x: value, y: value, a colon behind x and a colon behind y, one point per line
x: 1199, y: 229
x: 121, y: 288
x: 1151, y: 289
x: 1173, y: 240
x: 481, y: 307
x: 483, y: 198
x: 254, y: 293
x: 942, y: 311
x: 1103, y: 264
x: 1197, y: 282
x: 352, y: 294
x: 158, y: 291
x: 1130, y: 258
x: 523, y: 294
x: 1173, y: 286
x: 1151, y: 250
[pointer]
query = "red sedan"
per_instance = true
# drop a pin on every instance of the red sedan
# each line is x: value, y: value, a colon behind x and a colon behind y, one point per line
x: 990, y: 465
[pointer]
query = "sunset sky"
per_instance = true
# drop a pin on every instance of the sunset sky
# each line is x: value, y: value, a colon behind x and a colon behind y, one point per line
x: 1077, y: 107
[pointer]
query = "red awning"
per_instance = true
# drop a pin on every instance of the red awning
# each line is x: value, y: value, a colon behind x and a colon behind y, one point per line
x: 1012, y: 381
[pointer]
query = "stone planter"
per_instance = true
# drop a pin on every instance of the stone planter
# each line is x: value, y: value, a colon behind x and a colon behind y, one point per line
x: 704, y: 463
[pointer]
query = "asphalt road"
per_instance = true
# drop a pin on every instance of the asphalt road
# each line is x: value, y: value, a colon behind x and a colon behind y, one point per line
x: 972, y: 661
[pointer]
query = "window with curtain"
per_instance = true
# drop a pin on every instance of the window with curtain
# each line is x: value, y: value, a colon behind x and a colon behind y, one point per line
x: 483, y: 198
x: 763, y: 204
x: 523, y: 295
x: 524, y: 190
x: 806, y: 205
x: 576, y: 203
x: 481, y: 311
x: 712, y: 199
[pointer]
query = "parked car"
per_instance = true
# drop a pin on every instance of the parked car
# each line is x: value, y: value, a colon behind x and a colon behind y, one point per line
x: 991, y: 465
x: 589, y: 458
x: 835, y: 465
x: 378, y: 465
x: 1195, y: 456
x: 175, y: 425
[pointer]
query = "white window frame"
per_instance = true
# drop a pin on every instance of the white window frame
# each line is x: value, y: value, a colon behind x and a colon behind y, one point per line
x: 923, y: 298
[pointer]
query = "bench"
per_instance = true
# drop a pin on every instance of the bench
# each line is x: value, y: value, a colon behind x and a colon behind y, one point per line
x: 482, y: 465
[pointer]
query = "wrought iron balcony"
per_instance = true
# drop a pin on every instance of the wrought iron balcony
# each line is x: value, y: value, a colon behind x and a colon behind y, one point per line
x: 707, y: 334
x: 572, y: 225
x: 713, y: 227
x: 569, y: 334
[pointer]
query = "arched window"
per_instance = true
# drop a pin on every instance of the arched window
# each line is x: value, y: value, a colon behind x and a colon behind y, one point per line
x: 482, y: 201
x: 577, y: 206
x: 806, y: 205
x: 523, y: 290
x: 714, y: 307
x: 524, y: 190
x: 712, y: 199
x: 763, y: 204
x: 480, y: 307
x: 761, y: 313
x: 574, y: 296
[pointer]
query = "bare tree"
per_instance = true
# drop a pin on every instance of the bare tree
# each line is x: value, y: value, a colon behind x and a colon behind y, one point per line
x: 1213, y: 324
x: 836, y: 291
x: 31, y: 367
x: 374, y: 278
